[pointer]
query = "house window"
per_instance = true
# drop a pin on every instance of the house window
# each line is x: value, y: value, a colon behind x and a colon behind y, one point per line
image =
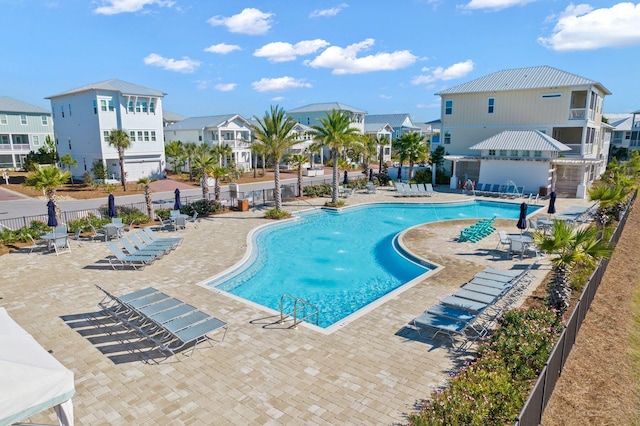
x: 105, y: 135
x: 537, y: 154
x: 3, y: 119
x: 45, y: 120
x: 111, y: 107
x: 152, y: 108
x: 103, y: 105
x: 95, y: 106
x: 140, y: 135
x: 132, y: 136
x: 36, y: 140
x: 490, y: 105
x: 200, y: 138
x: 62, y: 110
x: 525, y: 153
x: 146, y: 136
x: 514, y: 152
x: 448, y: 107
x: 130, y: 107
x: 138, y: 106
x: 492, y: 152
x: 144, y: 107
x: 551, y: 95
x: 23, y: 119
x: 69, y: 110
x: 153, y: 136
x: 447, y: 137
x: 4, y: 139
x: 69, y: 144
x: 503, y: 153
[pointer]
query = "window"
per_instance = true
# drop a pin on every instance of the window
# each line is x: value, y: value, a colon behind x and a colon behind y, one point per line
x: 36, y: 140
x: 3, y: 119
x: 152, y: 108
x: 551, y: 95
x: 146, y: 136
x: 23, y: 118
x: 95, y: 106
x: 111, y: 108
x: 103, y: 105
x: 69, y: 110
x: 138, y: 106
x: 490, y: 105
x: 4, y: 139
x: 144, y: 107
x: 514, y: 152
x: 130, y: 107
x: 105, y: 135
x: 140, y: 135
x: 448, y: 107
x: 447, y: 137
x: 69, y: 144
x: 537, y: 154
x: 45, y: 120
x: 492, y: 152
x: 153, y: 136
x: 525, y: 153
x: 62, y: 110
x: 132, y: 136
x: 503, y: 153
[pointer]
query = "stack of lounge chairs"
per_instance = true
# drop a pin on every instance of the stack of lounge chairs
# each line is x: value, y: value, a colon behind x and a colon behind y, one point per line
x: 142, y: 248
x: 477, y: 231
x: 472, y: 311
x: 496, y: 190
x: 578, y: 214
x: 414, y: 189
x: 168, y: 323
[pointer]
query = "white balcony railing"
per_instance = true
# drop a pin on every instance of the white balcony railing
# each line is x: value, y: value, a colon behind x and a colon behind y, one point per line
x: 577, y: 113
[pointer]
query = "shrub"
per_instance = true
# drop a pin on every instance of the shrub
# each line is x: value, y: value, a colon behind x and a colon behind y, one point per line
x: 84, y: 222
x: 202, y: 207
x: 339, y: 203
x: 87, y: 179
x: 382, y: 177
x: 422, y: 176
x: 317, y: 190
x: 35, y: 229
x: 276, y: 214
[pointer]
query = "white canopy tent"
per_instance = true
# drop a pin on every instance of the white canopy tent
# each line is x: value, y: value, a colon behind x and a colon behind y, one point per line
x: 31, y: 379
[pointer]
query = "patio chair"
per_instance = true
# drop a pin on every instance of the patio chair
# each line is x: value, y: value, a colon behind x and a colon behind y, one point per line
x: 98, y: 235
x: 176, y: 240
x: 142, y: 240
x: 116, y: 220
x: 371, y: 188
x: 140, y: 251
x: 111, y: 232
x: 128, y: 260
x: 61, y: 244
x: 189, y: 330
x: 35, y: 244
x: 194, y: 219
x: 180, y: 222
x: 504, y: 239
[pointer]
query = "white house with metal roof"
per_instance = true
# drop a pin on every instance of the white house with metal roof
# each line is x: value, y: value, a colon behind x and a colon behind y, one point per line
x: 564, y: 106
x: 232, y: 130
x: 625, y: 130
x: 85, y: 116
x: 23, y: 128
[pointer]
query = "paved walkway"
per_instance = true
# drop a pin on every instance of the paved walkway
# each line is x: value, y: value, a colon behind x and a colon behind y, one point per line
x: 370, y: 371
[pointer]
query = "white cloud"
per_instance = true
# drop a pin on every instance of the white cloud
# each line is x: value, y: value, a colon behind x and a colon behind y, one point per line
x: 202, y: 84
x: 321, y: 13
x: 228, y: 87
x: 222, y: 48
x: 458, y: 70
x: 345, y: 60
x: 277, y: 98
x: 113, y: 7
x: 250, y: 21
x: 283, y: 52
x: 278, y: 84
x: 385, y: 96
x: 580, y: 27
x: 184, y: 65
x: 494, y: 4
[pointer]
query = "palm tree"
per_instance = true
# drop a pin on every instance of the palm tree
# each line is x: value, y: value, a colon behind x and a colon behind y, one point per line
x: 48, y: 179
x: 217, y: 173
x: 297, y: 161
x: 145, y: 181
x: 69, y: 162
x: 205, y: 161
x: 257, y: 148
x: 174, y: 150
x: 611, y: 199
x: 222, y: 151
x: 274, y: 132
x: 335, y: 132
x: 119, y: 139
x: 410, y: 147
x: 571, y: 246
x: 189, y: 150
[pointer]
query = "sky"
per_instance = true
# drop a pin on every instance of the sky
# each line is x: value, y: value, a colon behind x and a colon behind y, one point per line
x: 215, y: 57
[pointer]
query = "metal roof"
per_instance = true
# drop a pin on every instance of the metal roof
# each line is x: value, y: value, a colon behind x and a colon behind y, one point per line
x: 620, y: 122
x: 531, y: 140
x: 171, y: 116
x: 395, y: 120
x: 198, y: 123
x: 328, y: 106
x: 113, y: 85
x: 375, y: 127
x: 8, y: 104
x: 542, y: 77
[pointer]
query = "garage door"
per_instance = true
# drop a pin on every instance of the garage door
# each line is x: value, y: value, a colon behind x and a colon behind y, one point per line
x: 137, y: 170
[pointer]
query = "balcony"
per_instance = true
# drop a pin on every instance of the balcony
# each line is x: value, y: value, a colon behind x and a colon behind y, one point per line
x: 577, y: 113
x: 237, y: 144
x: 14, y: 147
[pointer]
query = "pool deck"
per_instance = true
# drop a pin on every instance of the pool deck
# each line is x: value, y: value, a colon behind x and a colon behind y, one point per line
x: 370, y: 371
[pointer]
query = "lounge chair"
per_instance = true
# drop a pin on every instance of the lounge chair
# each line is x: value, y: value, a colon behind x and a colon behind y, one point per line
x: 142, y: 241
x: 35, y: 244
x: 128, y: 260
x: 371, y: 188
x: 167, y: 240
x: 141, y: 251
x: 194, y: 219
x: 429, y: 189
x: 187, y: 330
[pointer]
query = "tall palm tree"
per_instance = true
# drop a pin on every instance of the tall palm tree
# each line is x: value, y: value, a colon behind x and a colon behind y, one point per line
x: 257, y: 148
x: 205, y: 161
x: 274, y: 131
x: 48, y: 179
x: 174, y: 150
x: 412, y: 148
x: 335, y: 131
x: 119, y: 139
x: 222, y: 151
x: 217, y: 173
x: 189, y: 149
x: 297, y: 161
x: 570, y: 246
x: 145, y: 181
x: 363, y: 147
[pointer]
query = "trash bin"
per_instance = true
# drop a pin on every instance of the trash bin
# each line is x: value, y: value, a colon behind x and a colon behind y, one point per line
x: 243, y: 205
x: 542, y: 191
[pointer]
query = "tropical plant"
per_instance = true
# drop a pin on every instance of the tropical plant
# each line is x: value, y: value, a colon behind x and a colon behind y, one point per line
x: 189, y: 150
x: 611, y: 200
x: 119, y: 139
x: 48, y: 179
x: 297, y: 161
x: 204, y: 161
x: 437, y: 160
x: 411, y: 147
x: 99, y: 170
x: 175, y: 151
x: 217, y: 173
x: 335, y: 131
x: 222, y: 152
x: 570, y: 246
x: 145, y: 181
x: 257, y: 148
x: 274, y: 131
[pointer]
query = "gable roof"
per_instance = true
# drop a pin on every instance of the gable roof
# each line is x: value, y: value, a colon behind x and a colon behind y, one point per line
x: 171, y: 116
x: 328, y: 106
x: 198, y: 123
x: 620, y: 122
x: 377, y: 127
x: 532, y: 140
x: 8, y: 104
x: 113, y: 85
x: 395, y: 120
x: 542, y: 77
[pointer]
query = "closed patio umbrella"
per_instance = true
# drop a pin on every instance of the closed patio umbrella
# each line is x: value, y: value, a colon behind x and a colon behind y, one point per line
x: 552, y: 203
x: 522, y: 220
x: 111, y: 209
x: 371, y: 175
x: 51, y: 213
x: 399, y: 172
x: 177, y: 205
x: 346, y: 178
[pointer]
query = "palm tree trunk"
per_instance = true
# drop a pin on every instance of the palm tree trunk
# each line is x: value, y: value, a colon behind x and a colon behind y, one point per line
x: 149, y: 201
x: 123, y: 178
x: 255, y: 165
x: 334, y: 183
x: 276, y: 179
x: 264, y: 164
x: 216, y: 189
x: 410, y: 169
x: 190, y: 171
x: 299, y: 180
x: 205, y: 185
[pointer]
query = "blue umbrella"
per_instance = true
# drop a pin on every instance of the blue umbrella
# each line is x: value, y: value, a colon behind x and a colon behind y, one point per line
x: 552, y: 203
x: 51, y: 212
x: 111, y: 209
x: 371, y: 175
x: 177, y: 205
x: 522, y: 220
x: 399, y: 172
x: 346, y: 178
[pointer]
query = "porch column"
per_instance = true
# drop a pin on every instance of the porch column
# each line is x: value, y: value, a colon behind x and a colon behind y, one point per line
x: 453, y: 183
x: 581, y: 191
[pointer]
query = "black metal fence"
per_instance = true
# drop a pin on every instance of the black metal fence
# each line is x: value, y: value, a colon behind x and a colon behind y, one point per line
x: 533, y: 409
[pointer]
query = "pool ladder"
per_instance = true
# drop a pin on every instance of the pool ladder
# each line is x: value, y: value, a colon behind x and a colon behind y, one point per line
x: 300, y: 306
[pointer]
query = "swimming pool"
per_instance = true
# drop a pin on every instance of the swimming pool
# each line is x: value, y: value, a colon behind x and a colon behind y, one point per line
x: 341, y: 261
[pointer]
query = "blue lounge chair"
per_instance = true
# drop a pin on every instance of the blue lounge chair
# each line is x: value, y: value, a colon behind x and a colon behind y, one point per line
x: 128, y: 260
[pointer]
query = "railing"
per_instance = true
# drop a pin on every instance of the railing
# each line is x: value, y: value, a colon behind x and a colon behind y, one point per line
x: 299, y: 306
x: 533, y: 409
x: 577, y: 113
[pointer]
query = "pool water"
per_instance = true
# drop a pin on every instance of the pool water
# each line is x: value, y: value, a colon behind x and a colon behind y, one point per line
x: 341, y: 261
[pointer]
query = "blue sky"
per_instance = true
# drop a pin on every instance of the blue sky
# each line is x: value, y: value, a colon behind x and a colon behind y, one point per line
x: 221, y: 57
